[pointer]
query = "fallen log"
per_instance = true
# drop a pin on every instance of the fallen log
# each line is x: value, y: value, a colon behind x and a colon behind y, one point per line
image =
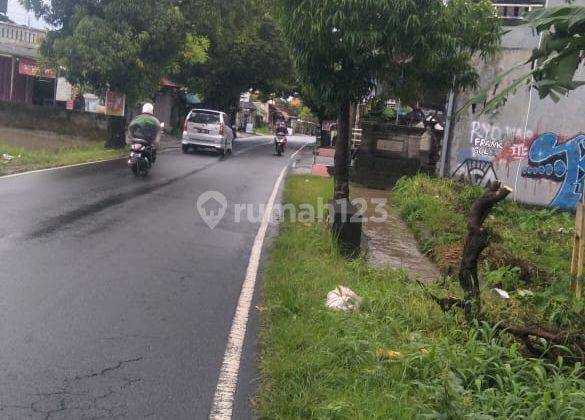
x: 528, y: 336
x: 574, y: 342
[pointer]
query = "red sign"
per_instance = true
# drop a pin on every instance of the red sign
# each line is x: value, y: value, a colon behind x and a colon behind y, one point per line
x: 28, y: 67
x: 115, y: 104
x: 168, y: 83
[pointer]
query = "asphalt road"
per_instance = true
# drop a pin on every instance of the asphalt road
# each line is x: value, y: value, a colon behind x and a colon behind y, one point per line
x: 116, y: 298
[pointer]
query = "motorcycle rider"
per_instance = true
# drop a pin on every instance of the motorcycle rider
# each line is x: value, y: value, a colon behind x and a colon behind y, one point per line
x: 281, y: 129
x: 145, y: 127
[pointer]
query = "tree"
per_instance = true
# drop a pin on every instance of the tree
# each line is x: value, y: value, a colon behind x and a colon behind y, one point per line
x: 306, y: 114
x: 321, y: 109
x: 245, y: 52
x: 553, y: 63
x: 340, y: 47
x: 123, y: 45
x: 217, y: 47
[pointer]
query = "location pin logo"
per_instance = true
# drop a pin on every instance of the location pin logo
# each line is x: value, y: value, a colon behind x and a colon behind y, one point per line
x: 212, y: 206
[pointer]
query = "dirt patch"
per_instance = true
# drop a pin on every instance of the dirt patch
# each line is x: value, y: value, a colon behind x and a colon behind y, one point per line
x: 448, y: 258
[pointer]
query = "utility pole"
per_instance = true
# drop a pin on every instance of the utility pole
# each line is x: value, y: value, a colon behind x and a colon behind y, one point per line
x: 13, y: 62
x: 447, y: 135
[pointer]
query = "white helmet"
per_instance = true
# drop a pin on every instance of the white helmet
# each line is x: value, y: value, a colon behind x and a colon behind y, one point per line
x: 148, y: 108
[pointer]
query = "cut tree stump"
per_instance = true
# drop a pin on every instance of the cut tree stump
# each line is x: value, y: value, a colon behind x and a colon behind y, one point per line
x: 476, y: 242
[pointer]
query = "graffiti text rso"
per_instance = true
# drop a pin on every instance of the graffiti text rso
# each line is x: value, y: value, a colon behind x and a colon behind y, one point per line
x: 487, y: 140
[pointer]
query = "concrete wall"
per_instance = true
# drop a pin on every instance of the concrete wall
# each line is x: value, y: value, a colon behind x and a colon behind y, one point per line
x: 74, y: 123
x: 535, y: 146
x: 387, y: 153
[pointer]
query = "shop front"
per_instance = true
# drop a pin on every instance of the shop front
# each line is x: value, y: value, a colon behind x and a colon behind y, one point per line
x: 22, y: 81
x: 21, y: 78
x: 33, y: 85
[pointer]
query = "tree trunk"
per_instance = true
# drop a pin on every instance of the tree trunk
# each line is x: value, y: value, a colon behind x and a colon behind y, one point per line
x: 116, y: 133
x: 342, y: 153
x: 476, y: 242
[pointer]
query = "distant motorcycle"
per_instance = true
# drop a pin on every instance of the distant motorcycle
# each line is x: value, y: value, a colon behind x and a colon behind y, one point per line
x: 280, y: 143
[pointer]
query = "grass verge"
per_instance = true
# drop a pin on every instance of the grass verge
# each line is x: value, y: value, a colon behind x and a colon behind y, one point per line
x: 529, y: 256
x: 27, y: 160
x: 398, y: 356
x: 263, y: 131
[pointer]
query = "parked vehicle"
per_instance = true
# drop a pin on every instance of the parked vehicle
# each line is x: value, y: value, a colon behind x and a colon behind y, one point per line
x: 209, y: 130
x: 280, y: 143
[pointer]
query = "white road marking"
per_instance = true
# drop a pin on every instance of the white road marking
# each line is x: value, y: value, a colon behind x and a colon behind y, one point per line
x: 95, y: 162
x: 223, y: 401
x: 56, y: 168
x: 60, y: 167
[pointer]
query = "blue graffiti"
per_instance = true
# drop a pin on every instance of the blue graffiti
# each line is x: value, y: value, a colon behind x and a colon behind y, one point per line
x: 564, y: 162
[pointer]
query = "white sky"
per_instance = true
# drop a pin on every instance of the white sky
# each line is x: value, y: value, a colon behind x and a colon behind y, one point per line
x: 18, y: 14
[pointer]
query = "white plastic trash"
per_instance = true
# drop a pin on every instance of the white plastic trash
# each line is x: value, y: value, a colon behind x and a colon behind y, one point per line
x: 501, y: 293
x: 343, y: 299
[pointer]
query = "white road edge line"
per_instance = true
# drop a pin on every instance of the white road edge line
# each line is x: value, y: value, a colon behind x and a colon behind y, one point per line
x: 59, y: 167
x: 223, y: 400
x: 76, y: 165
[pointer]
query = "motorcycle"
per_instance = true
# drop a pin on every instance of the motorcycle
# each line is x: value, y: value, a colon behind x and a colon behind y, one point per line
x: 280, y: 143
x: 142, y: 156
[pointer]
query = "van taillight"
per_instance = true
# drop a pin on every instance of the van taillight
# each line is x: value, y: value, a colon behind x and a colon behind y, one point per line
x: 221, y: 129
x: 186, y: 124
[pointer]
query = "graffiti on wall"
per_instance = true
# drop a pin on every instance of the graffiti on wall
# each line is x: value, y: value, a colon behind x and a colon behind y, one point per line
x: 546, y: 169
x: 488, y: 140
x: 479, y: 172
x: 559, y: 161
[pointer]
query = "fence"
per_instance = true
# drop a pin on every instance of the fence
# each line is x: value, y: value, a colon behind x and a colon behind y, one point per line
x: 21, y: 36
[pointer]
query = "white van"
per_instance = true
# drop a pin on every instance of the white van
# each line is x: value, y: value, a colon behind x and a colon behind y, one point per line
x: 208, y: 129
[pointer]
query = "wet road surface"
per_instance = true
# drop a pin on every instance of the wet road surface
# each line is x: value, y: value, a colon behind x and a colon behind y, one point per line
x: 116, y: 299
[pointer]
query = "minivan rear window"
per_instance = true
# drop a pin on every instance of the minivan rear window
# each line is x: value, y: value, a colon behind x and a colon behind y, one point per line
x: 203, y: 117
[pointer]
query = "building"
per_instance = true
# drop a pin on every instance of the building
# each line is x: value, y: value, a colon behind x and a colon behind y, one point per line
x: 21, y: 80
x: 170, y: 105
x: 512, y: 11
x: 262, y: 112
x: 537, y: 147
x: 246, y: 117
